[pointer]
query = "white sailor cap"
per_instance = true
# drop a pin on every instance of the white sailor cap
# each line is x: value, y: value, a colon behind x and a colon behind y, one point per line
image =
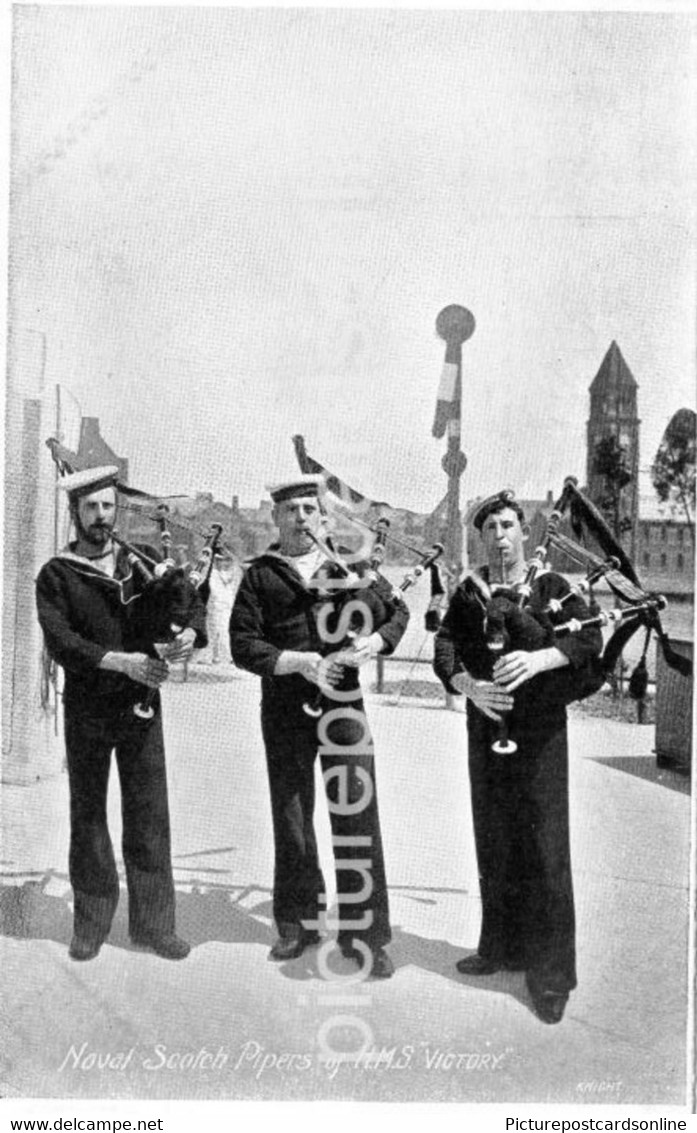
x: 300, y: 486
x: 89, y: 480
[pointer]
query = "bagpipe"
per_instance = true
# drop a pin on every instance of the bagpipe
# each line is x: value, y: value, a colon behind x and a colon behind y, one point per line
x: 165, y: 590
x: 162, y: 611
x: 166, y: 596
x: 512, y: 623
x: 363, y: 596
x: 200, y: 575
x: 637, y: 607
x: 429, y: 562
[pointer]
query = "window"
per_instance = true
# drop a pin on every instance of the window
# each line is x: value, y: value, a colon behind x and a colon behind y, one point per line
x: 681, y: 534
x: 663, y: 562
x: 680, y: 562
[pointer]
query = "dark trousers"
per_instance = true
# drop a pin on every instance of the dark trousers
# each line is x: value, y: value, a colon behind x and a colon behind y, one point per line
x: 140, y: 759
x: 292, y: 742
x: 521, y: 826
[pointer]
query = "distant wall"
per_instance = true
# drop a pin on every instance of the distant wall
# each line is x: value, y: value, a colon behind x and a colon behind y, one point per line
x: 31, y: 744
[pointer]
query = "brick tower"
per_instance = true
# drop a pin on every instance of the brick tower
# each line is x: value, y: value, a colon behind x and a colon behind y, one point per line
x: 614, y: 420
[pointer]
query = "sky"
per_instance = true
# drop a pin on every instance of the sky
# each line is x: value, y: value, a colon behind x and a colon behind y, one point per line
x: 233, y: 225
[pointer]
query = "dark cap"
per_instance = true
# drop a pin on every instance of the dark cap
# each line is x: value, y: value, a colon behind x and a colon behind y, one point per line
x: 495, y: 503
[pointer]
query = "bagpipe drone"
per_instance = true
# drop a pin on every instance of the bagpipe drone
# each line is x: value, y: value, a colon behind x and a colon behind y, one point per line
x: 342, y: 583
x: 511, y: 624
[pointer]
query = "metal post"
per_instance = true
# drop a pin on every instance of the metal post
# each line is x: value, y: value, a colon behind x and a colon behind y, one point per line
x: 454, y: 325
x: 380, y: 681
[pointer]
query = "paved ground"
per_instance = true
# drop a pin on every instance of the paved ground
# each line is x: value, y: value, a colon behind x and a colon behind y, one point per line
x: 228, y: 1024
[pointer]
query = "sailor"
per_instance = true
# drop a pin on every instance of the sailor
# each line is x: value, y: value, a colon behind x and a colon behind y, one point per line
x: 286, y: 625
x: 91, y: 605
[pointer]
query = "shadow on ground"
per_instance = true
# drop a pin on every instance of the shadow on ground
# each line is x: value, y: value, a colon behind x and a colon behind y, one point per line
x: 411, y: 951
x: 28, y: 912
x: 217, y: 913
x: 645, y: 767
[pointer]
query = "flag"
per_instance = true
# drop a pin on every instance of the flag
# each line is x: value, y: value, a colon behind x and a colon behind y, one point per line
x: 448, y: 403
x: 68, y: 461
x: 64, y: 458
x: 343, y: 493
x: 348, y: 504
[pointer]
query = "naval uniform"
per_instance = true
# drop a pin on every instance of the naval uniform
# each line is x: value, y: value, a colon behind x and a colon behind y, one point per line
x: 276, y: 610
x: 520, y: 801
x: 85, y: 613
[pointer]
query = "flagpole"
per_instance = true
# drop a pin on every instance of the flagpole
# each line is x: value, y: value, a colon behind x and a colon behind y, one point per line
x: 454, y: 325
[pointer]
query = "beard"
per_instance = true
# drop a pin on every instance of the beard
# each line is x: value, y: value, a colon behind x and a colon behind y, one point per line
x: 97, y: 534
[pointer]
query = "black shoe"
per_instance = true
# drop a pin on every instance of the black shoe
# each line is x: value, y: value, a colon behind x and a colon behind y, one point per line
x: 292, y: 942
x: 476, y: 965
x: 382, y: 967
x: 169, y: 946
x: 549, y: 1005
x: 81, y: 949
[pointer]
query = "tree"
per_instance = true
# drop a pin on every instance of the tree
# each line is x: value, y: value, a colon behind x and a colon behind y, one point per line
x: 610, y: 462
x: 673, y: 469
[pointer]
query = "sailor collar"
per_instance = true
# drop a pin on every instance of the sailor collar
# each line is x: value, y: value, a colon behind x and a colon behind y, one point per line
x: 274, y: 553
x: 313, y: 585
x: 478, y: 584
x: 85, y: 562
x: 86, y: 567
